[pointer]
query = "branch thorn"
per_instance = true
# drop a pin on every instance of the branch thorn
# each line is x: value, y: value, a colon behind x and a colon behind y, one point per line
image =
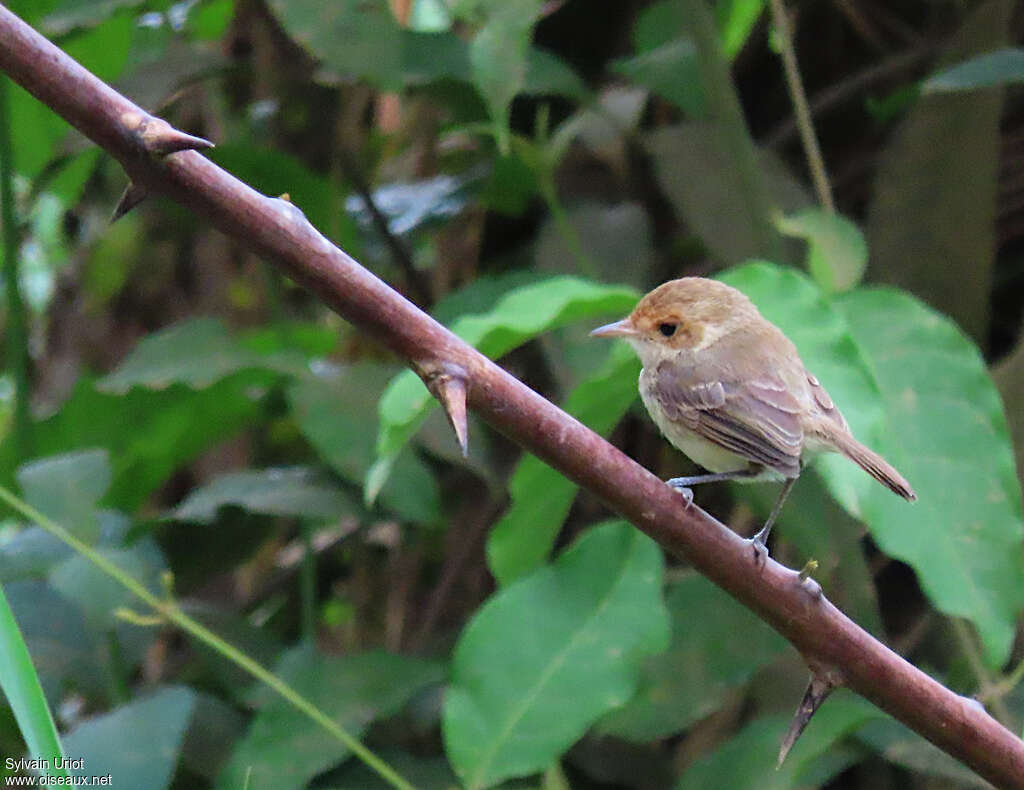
x: 159, y: 137
x: 447, y: 383
x: 822, y: 684
x: 131, y: 197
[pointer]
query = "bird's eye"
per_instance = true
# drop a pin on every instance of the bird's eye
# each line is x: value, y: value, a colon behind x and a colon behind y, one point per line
x: 667, y: 329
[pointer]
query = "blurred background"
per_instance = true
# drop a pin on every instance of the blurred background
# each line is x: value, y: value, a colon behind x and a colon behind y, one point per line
x: 523, y: 170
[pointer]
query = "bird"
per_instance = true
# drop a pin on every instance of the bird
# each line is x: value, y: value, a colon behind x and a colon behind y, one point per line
x: 726, y: 387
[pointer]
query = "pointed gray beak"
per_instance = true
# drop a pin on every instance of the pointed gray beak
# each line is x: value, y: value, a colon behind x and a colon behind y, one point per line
x: 623, y: 328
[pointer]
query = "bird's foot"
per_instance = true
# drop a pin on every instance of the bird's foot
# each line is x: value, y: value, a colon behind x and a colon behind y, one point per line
x: 679, y: 484
x: 760, y: 549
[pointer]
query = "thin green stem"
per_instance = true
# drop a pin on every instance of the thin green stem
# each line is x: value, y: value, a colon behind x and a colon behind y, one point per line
x: 172, y: 613
x: 801, y: 108
x: 724, y: 109
x: 17, y: 322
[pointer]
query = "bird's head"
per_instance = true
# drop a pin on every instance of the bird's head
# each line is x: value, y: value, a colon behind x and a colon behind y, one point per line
x: 679, y: 316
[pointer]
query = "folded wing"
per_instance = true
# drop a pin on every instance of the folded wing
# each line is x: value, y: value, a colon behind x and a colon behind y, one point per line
x: 757, y: 419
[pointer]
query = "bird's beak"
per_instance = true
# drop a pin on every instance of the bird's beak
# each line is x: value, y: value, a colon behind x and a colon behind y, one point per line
x: 623, y: 328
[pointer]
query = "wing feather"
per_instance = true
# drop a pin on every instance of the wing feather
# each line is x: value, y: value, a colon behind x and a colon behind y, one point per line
x: 756, y: 419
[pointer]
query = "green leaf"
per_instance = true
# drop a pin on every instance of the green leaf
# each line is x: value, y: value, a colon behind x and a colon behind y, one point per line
x: 353, y: 38
x: 1002, y: 67
x: 576, y: 630
x: 336, y: 412
x: 196, y: 353
x: 541, y: 497
x: 549, y: 75
x: 836, y: 251
x: 65, y: 652
x: 519, y: 316
x: 97, y: 594
x: 498, y: 58
x: 748, y: 760
x: 139, y: 743
x: 284, y: 750
x: 948, y: 435
x: 297, y: 491
x: 147, y: 434
x: 697, y: 172
x: 669, y: 70
x: 67, y: 488
x: 791, y: 301
x: 736, y: 19
x: 708, y: 657
x: 24, y: 693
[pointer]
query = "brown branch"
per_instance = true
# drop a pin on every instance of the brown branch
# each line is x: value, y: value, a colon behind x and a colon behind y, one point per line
x: 828, y: 640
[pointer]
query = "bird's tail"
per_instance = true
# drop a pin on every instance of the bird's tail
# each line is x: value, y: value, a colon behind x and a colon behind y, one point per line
x: 872, y: 463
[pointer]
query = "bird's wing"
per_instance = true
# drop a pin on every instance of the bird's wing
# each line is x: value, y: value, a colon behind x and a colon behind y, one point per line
x: 758, y: 419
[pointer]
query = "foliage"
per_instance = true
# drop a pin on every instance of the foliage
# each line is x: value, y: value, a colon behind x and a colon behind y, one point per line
x: 263, y: 470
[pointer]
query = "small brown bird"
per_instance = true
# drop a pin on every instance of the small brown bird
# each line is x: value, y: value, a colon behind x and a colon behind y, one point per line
x: 727, y: 388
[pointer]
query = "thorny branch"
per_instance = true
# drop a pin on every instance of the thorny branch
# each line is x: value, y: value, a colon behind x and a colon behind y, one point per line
x: 836, y: 648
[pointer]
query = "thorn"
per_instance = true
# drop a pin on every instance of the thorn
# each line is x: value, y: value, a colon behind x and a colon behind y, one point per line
x: 159, y: 137
x: 822, y: 684
x: 131, y: 197
x: 447, y: 383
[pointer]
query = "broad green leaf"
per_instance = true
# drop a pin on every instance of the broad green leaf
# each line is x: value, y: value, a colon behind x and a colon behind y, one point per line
x: 790, y: 301
x: 297, y: 491
x: 736, y: 19
x: 66, y: 653
x: 697, y: 172
x: 67, y: 488
x: 948, y: 436
x: 498, y: 58
x: 284, y: 750
x: 665, y: 60
x: 139, y: 743
x: 519, y: 316
x: 748, y: 760
x: 336, y: 412
x: 669, y: 70
x: 24, y: 693
x: 1002, y: 67
x: 931, y: 226
x: 836, y: 251
x: 197, y: 353
x: 576, y: 630
x: 549, y: 75
x: 147, y: 434
x: 709, y: 656
x: 541, y: 497
x: 353, y: 38
x: 99, y: 595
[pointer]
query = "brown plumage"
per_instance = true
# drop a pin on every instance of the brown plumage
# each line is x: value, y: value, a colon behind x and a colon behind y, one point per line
x: 729, y: 389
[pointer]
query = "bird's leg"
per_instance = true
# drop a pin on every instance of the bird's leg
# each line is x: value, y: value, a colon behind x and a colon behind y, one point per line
x: 682, y: 484
x: 759, y: 540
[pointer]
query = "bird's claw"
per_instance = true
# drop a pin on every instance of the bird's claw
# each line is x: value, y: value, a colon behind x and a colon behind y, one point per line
x: 682, y: 489
x: 760, y: 549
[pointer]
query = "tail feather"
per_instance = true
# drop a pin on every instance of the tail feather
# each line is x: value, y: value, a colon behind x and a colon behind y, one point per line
x: 872, y: 463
